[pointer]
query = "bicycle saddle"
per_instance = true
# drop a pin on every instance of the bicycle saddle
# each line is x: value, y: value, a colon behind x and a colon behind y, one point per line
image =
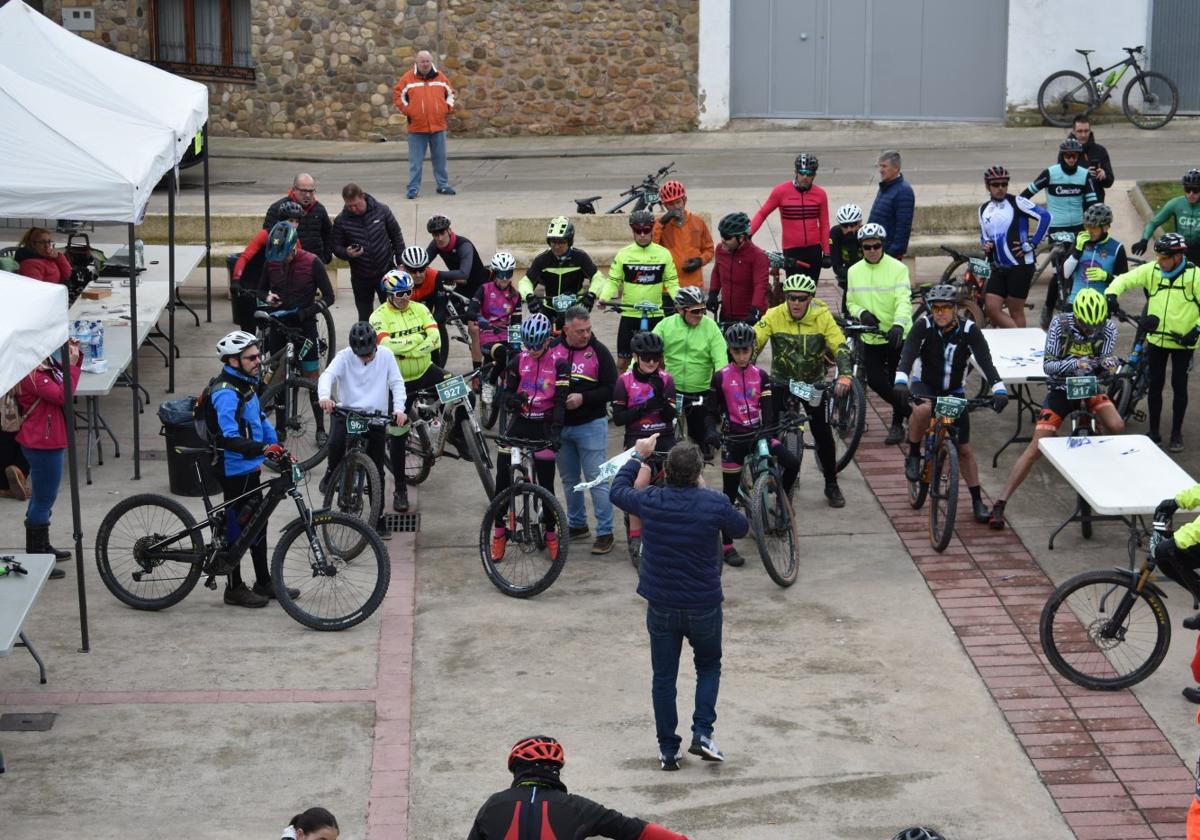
x: 1085, y: 52
x: 1132, y: 49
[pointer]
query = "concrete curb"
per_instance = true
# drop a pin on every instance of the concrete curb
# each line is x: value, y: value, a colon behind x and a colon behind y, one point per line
x: 1138, y: 199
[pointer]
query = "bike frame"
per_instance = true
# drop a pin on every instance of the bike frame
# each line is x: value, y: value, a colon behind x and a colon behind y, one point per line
x: 1113, y: 79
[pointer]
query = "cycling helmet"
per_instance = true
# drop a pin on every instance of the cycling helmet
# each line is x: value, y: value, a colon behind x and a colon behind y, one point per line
x: 918, y: 833
x: 848, y: 214
x: 646, y: 344
x: 1170, y: 243
x: 671, y: 191
x: 639, y: 218
x: 396, y: 281
x: 415, y: 258
x: 437, y: 224
x: 1191, y: 178
x: 1090, y: 308
x: 536, y: 749
x: 291, y: 210
x: 281, y: 242
x: 535, y: 330
x: 363, y: 340
x: 734, y: 224
x: 503, y: 264
x: 739, y: 336
x: 943, y: 293
x: 689, y: 296
x: 560, y: 227
x: 1098, y: 215
x: 235, y: 343
x: 871, y: 230
x: 995, y: 173
x: 807, y: 161
x: 800, y: 283
x: 1071, y: 146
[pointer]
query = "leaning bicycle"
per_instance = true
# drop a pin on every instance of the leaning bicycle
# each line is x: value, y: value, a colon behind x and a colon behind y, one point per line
x: 1149, y: 102
x: 151, y: 551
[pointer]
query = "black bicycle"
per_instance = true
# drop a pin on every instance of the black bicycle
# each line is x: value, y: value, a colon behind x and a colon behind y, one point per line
x: 768, y: 507
x: 356, y: 485
x: 1150, y: 99
x: 1131, y: 382
x: 847, y: 414
x: 449, y: 311
x: 643, y: 196
x: 289, y: 399
x: 150, y: 552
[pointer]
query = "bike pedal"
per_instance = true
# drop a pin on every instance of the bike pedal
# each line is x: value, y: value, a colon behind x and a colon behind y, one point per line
x: 1139, y: 416
x: 211, y: 583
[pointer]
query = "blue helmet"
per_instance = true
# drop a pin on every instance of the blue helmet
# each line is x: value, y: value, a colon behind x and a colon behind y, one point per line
x: 535, y: 330
x: 281, y: 242
x: 396, y: 281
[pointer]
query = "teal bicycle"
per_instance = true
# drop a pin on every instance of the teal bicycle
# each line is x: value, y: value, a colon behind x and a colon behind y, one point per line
x: 1149, y: 102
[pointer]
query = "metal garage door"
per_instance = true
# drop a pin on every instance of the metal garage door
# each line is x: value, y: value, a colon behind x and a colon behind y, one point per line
x: 1174, y: 33
x: 902, y: 59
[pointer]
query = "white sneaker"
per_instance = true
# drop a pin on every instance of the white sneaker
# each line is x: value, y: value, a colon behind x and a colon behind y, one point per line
x: 706, y: 748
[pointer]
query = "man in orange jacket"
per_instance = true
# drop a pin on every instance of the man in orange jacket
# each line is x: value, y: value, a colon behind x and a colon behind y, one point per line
x: 425, y: 96
x: 684, y: 234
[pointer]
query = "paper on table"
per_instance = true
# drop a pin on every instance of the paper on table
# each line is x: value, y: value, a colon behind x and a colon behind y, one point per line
x: 607, y: 470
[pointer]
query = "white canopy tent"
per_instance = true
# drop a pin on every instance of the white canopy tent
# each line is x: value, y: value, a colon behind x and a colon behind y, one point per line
x: 33, y: 325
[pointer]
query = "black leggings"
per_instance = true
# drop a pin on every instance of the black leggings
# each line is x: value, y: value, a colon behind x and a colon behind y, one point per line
x: 822, y: 433
x: 695, y: 418
x: 376, y: 445
x: 367, y: 296
x: 233, y: 486
x: 880, y: 360
x: 1180, y: 361
x: 810, y: 254
x: 398, y: 444
x: 543, y: 468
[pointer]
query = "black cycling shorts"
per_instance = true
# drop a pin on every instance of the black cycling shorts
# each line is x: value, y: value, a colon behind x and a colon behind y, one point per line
x: 625, y: 331
x: 1010, y: 281
x: 963, y: 424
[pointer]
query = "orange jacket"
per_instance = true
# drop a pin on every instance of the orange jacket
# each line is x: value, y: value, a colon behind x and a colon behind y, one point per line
x: 690, y: 240
x: 425, y: 100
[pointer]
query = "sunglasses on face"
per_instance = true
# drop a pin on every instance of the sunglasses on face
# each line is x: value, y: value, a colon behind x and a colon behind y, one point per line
x: 942, y: 307
x: 557, y: 241
x: 1191, y: 189
x: 657, y: 360
x: 806, y: 172
x: 878, y: 246
x: 799, y: 298
x: 502, y: 275
x: 642, y: 230
x: 694, y: 310
x: 998, y: 184
x: 253, y: 358
x: 730, y: 238
x: 404, y: 293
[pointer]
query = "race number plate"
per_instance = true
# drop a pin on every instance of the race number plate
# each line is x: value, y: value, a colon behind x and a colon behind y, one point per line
x: 1082, y: 387
x: 514, y: 335
x: 356, y: 425
x: 679, y: 403
x: 806, y: 392
x: 980, y: 268
x: 562, y: 303
x: 297, y: 473
x: 451, y: 390
x: 950, y: 407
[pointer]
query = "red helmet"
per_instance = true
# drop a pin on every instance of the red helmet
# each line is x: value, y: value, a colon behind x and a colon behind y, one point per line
x: 671, y: 191
x: 536, y: 749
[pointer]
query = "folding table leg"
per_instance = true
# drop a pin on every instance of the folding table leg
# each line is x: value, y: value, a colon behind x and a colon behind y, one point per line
x: 33, y: 652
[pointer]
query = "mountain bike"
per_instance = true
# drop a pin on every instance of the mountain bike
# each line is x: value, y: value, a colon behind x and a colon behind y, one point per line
x: 1109, y: 629
x: 435, y: 413
x: 1132, y: 379
x: 847, y: 414
x: 290, y: 399
x: 968, y: 274
x: 643, y: 196
x: 492, y: 394
x: 768, y: 506
x: 781, y: 266
x: 450, y: 310
x: 939, y: 466
x: 150, y: 552
x: 529, y: 511
x: 326, y: 332
x: 356, y: 484
x: 1150, y: 99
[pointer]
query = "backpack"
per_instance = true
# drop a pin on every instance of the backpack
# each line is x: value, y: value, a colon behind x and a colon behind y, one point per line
x: 11, y: 417
x: 199, y: 411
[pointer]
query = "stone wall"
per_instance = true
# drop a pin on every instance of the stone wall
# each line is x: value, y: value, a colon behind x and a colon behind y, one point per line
x: 325, y: 68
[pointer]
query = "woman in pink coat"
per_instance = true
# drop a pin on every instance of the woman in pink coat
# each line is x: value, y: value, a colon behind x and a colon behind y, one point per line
x: 39, y: 259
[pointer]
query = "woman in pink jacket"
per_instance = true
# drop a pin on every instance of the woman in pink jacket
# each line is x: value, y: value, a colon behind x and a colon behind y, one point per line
x: 43, y: 440
x: 39, y: 259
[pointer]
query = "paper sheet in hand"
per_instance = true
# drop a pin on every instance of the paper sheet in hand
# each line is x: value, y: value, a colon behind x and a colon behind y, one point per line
x: 607, y: 470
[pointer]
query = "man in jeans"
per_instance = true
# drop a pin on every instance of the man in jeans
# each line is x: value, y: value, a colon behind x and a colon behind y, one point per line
x: 425, y: 97
x: 584, y: 442
x: 680, y: 578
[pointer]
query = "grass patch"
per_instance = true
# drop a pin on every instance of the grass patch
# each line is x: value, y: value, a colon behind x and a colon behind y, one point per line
x: 1158, y: 193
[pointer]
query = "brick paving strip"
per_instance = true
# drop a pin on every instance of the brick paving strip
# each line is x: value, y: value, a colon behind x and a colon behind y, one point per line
x: 1111, y: 771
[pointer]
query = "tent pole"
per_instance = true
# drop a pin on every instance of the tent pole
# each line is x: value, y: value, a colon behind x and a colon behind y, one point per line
x: 76, y: 520
x: 207, y: 237
x: 133, y: 359
x: 172, y: 187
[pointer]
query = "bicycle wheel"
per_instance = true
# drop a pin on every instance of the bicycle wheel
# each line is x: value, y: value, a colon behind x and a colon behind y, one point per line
x: 953, y: 274
x: 1150, y: 100
x: 1120, y: 391
x: 1081, y: 642
x: 919, y: 489
x: 326, y: 338
x: 526, y: 568
x: 847, y: 418
x: 1063, y: 96
x: 134, y: 524
x: 356, y: 489
x: 774, y: 525
x: 418, y: 455
x: 793, y: 441
x: 943, y: 493
x: 291, y: 405
x: 480, y: 456
x: 337, y: 590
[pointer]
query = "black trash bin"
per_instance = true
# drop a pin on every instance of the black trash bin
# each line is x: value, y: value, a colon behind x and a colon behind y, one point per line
x: 180, y: 430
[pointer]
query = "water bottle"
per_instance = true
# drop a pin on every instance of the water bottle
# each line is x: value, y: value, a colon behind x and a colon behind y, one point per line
x: 140, y: 249
x: 247, y: 511
x: 81, y: 331
x: 96, y: 343
x: 1135, y: 354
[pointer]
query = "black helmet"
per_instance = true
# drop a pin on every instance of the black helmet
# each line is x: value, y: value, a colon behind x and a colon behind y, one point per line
x: 437, y: 224
x: 639, y: 218
x: 918, y: 833
x: 646, y: 344
x: 560, y: 228
x: 363, y: 340
x: 291, y: 210
x: 943, y: 293
x: 995, y: 173
x: 1191, y: 178
x: 1170, y: 243
x: 739, y: 336
x: 808, y: 161
x: 1071, y: 145
x: 734, y: 224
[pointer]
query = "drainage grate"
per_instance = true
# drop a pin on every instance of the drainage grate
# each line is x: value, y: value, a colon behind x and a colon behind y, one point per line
x: 27, y: 722
x: 402, y: 522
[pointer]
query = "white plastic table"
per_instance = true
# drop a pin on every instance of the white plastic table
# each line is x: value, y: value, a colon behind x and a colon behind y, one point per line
x: 17, y: 596
x: 1017, y: 355
x: 1117, y: 477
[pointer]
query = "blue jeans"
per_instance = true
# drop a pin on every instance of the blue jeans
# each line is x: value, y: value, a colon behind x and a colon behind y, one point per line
x: 435, y: 142
x: 45, y: 474
x: 585, y: 446
x: 668, y: 628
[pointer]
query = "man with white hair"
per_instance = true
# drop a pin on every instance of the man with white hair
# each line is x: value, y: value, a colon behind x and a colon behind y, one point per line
x: 425, y: 96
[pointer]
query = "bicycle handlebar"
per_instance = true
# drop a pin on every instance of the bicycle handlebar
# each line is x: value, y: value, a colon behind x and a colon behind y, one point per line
x: 520, y: 442
x: 373, y: 418
x: 972, y: 403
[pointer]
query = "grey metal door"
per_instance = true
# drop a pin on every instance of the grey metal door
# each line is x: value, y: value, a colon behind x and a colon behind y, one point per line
x: 780, y: 63
x: 1174, y: 33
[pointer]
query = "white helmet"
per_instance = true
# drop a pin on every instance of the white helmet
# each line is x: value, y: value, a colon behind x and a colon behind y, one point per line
x: 235, y: 343
x: 504, y: 261
x: 871, y: 230
x: 848, y: 214
x: 414, y: 257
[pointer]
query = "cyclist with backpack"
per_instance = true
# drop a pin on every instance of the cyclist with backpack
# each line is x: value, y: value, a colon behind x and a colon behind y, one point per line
x: 942, y: 344
x: 562, y: 269
x: 739, y: 279
x: 1185, y: 211
x: 1009, y: 244
x: 294, y: 278
x: 491, y: 311
x: 367, y: 381
x: 693, y: 350
x: 243, y: 437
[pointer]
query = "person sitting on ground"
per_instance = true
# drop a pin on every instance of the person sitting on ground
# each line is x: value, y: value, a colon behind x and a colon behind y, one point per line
x: 684, y: 234
x: 537, y: 804
x: 1081, y: 342
x: 491, y: 311
x: 39, y: 258
x: 312, y: 824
